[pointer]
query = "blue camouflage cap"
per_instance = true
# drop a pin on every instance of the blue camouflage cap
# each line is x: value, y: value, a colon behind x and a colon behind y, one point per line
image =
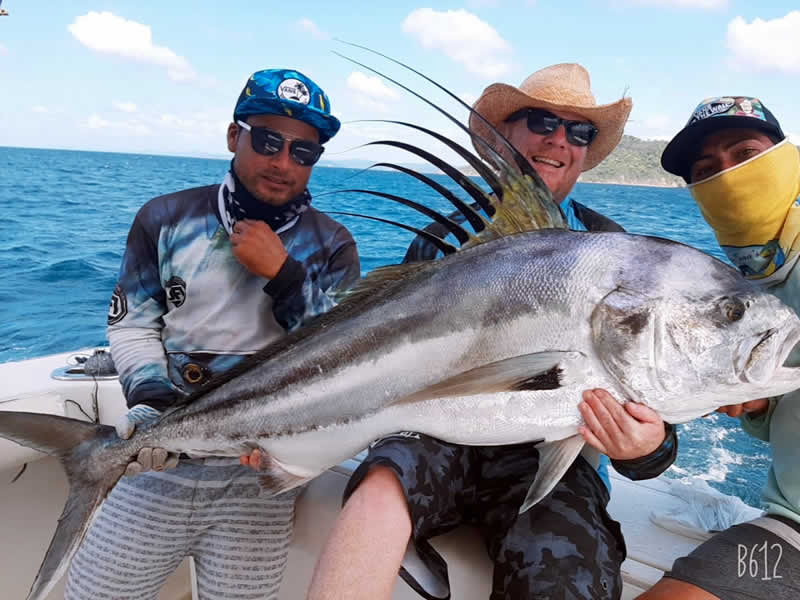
x: 290, y: 94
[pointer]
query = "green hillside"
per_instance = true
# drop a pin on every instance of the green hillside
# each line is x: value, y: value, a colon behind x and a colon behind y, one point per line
x: 633, y: 162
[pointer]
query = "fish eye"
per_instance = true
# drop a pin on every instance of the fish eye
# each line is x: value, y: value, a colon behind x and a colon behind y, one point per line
x: 733, y: 308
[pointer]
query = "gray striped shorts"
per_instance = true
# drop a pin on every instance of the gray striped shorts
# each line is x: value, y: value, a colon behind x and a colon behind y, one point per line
x: 212, y: 509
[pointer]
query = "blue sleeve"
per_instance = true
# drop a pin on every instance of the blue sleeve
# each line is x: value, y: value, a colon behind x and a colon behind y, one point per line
x: 299, y: 294
x: 135, y: 321
x: 602, y: 471
x: 759, y: 426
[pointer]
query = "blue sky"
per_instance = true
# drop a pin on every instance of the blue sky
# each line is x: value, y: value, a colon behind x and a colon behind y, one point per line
x: 162, y: 76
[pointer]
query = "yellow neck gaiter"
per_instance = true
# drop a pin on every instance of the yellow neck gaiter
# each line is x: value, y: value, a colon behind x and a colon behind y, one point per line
x: 754, y: 212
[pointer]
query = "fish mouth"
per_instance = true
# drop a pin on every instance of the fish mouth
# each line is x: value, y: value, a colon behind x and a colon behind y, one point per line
x: 766, y: 354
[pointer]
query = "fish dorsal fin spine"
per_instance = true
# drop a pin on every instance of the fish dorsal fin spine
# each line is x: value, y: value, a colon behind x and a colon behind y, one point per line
x: 520, y: 199
x: 523, y: 207
x: 380, y: 280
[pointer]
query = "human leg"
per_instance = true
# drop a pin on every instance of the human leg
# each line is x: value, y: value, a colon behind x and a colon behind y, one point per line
x: 669, y: 589
x: 362, y: 555
x: 415, y: 491
x: 566, y: 546
x: 138, y: 539
x: 758, y: 559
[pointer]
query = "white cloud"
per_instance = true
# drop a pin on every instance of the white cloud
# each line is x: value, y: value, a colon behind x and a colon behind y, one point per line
x: 705, y: 4
x: 175, y: 122
x: 128, y: 107
x: 371, y: 86
x: 311, y: 27
x: 107, y: 33
x: 654, y: 126
x: 39, y: 109
x: 201, y: 124
x: 766, y: 45
x: 463, y: 37
x: 95, y: 122
x: 134, y: 127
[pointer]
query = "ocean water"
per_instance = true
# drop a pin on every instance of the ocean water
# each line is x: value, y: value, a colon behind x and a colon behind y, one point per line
x: 64, y: 218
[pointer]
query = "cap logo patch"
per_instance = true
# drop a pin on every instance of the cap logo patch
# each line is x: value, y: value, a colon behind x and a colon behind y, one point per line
x: 712, y: 108
x: 294, y: 90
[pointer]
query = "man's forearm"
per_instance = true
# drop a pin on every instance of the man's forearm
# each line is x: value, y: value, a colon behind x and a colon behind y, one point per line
x: 141, y: 362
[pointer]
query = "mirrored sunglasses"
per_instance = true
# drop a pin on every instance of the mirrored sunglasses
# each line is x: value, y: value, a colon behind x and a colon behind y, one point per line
x: 543, y: 122
x: 269, y: 142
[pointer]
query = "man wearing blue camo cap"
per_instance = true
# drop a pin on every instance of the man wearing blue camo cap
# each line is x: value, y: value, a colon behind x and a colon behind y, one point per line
x: 209, y: 276
x: 744, y: 174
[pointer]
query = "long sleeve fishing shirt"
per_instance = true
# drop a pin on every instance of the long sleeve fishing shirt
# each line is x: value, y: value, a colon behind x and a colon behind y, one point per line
x: 184, y: 309
x: 780, y: 426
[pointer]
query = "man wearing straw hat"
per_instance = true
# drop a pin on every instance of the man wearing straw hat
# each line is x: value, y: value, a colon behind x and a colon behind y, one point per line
x: 414, y: 487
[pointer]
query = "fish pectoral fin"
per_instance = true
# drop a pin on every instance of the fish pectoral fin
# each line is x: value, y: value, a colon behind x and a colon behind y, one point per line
x: 540, y: 371
x: 275, y: 478
x: 555, y: 459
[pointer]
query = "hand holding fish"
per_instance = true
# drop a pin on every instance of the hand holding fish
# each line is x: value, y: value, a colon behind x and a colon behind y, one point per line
x: 258, y: 248
x: 620, y: 432
x: 148, y: 459
x: 255, y: 460
x: 754, y: 408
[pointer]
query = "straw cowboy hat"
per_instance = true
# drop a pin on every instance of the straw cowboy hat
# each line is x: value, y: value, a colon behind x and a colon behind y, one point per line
x: 563, y: 87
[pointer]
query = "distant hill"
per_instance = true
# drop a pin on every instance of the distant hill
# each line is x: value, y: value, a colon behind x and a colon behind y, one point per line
x: 633, y: 162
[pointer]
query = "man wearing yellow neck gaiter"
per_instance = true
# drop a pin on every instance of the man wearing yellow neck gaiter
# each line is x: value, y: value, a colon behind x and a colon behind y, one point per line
x: 745, y: 176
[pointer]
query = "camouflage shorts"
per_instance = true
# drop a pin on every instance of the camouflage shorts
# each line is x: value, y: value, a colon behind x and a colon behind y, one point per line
x: 565, y: 547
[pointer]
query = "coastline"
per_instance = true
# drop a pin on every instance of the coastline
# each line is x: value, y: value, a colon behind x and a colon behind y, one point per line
x: 632, y: 183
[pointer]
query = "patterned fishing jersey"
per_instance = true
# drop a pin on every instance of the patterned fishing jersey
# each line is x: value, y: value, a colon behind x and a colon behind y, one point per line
x: 184, y: 308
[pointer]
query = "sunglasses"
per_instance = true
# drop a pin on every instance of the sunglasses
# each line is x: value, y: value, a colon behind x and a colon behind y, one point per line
x: 579, y: 133
x: 269, y: 142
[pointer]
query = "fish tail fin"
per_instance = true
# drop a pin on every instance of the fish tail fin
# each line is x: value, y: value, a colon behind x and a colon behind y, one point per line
x: 73, y: 442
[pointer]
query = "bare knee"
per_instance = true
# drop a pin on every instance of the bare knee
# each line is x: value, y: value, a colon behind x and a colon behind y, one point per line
x: 670, y: 589
x: 380, y: 499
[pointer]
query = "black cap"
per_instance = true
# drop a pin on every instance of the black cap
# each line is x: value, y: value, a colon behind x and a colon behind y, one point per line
x: 710, y: 116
